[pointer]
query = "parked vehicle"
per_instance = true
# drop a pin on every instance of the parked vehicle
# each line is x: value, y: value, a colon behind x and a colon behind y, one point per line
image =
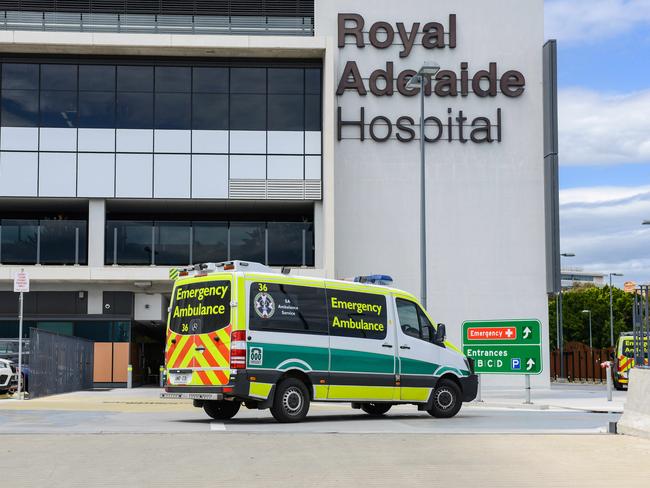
x: 9, y: 352
x: 8, y: 376
x: 240, y: 333
x: 624, y: 359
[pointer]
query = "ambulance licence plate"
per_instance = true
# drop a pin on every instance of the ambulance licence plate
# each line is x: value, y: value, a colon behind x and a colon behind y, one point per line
x: 180, y: 379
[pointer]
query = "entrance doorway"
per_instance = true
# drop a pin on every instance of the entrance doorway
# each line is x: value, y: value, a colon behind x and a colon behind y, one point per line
x: 147, y: 352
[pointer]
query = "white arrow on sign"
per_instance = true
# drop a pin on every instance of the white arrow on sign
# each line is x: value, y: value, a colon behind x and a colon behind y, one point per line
x: 527, y: 332
x: 530, y: 364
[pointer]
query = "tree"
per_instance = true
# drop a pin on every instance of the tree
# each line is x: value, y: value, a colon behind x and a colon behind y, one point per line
x: 576, y: 323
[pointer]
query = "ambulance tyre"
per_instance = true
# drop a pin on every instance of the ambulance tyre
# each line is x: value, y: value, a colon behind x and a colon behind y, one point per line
x: 221, y: 410
x: 376, y: 409
x: 291, y: 401
x: 447, y: 399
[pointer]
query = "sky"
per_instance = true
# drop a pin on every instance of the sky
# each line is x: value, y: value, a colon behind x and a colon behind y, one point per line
x: 604, y: 133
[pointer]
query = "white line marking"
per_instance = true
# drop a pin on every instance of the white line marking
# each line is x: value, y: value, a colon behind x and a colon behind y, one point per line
x: 217, y: 426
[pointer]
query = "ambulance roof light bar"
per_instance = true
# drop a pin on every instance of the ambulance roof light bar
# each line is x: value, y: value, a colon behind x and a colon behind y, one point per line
x: 376, y: 279
x: 204, y: 269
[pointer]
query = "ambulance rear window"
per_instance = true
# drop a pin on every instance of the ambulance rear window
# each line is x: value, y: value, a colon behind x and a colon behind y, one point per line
x: 200, y: 308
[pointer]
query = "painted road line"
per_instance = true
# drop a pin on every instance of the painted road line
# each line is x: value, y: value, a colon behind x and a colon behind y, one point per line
x: 217, y: 426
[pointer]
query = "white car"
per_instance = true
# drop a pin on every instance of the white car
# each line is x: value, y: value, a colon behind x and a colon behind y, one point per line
x: 8, y: 376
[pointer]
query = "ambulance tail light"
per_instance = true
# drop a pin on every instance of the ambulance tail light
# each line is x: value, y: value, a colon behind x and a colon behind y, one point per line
x: 238, y: 349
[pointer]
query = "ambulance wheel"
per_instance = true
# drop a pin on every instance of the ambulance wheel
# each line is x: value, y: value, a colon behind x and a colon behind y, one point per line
x: 376, y: 409
x: 221, y: 410
x: 446, y: 400
x: 618, y: 386
x: 291, y: 401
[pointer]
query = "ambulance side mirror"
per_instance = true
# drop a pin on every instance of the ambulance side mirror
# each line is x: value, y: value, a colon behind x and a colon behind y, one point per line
x: 441, y: 334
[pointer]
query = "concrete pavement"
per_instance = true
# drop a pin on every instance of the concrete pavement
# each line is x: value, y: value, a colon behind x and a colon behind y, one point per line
x: 315, y: 460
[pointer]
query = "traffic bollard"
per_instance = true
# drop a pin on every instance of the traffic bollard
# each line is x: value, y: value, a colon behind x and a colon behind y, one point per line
x: 162, y: 377
x: 129, y: 376
x: 608, y: 366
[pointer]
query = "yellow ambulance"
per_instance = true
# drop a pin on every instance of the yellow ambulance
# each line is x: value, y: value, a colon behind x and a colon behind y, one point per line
x: 240, y: 333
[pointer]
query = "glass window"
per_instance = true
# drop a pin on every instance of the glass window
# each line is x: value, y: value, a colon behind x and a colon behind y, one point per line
x: 287, y: 308
x: 210, y: 80
x: 247, y: 112
x: 200, y: 308
x: 247, y: 241
x: 96, y: 78
x: 58, y: 108
x: 286, y: 112
x: 408, y: 318
x: 173, y: 110
x: 209, y: 111
x: 210, y: 242
x: 58, y: 77
x: 97, y: 109
x: 313, y: 112
x: 426, y: 329
x: 173, y: 79
x: 59, y: 242
x: 103, y: 331
x: 286, y: 243
x: 18, y: 241
x: 20, y: 76
x: 313, y: 81
x: 248, y: 80
x: 134, y: 110
x: 172, y: 243
x: 135, y: 78
x: 286, y: 80
x: 19, y: 108
x: 353, y: 314
x: 134, y: 242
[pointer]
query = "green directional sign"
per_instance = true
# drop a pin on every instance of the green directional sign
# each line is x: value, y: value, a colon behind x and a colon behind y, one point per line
x: 504, y: 346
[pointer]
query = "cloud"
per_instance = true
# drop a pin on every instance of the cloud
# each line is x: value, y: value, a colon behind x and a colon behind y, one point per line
x: 600, y: 128
x: 602, y: 226
x: 593, y: 20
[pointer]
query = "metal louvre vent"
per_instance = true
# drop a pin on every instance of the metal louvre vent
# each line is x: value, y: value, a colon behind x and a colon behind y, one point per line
x: 275, y: 189
x: 268, y: 8
x: 313, y: 190
x: 285, y: 190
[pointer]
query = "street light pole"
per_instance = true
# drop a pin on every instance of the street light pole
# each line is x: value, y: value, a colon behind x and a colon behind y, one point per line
x: 425, y: 74
x: 611, y: 309
x: 560, y: 317
x: 591, y: 344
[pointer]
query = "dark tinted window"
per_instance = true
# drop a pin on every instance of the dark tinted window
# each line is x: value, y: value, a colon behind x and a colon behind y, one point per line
x: 97, y: 78
x: 58, y: 77
x: 247, y: 241
x: 172, y: 243
x: 354, y: 314
x: 97, y: 109
x: 287, y: 308
x: 210, y: 242
x: 286, y: 80
x: 286, y: 243
x: 20, y: 76
x: 58, y: 108
x: 248, y: 80
x: 134, y: 110
x: 173, y: 110
x: 286, y: 112
x: 135, y: 78
x: 210, y: 80
x: 19, y: 108
x: 200, y: 308
x: 313, y: 81
x: 312, y: 112
x: 173, y: 79
x: 209, y: 111
x: 413, y: 321
x: 248, y: 112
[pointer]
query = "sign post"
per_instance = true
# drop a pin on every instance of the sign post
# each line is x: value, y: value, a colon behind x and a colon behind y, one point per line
x: 505, y: 347
x: 21, y: 285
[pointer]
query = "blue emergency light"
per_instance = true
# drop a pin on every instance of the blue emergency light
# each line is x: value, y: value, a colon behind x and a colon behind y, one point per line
x: 376, y: 279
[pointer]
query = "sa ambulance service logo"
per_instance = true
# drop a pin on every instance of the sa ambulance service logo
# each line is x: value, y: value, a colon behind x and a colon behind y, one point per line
x: 264, y: 305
